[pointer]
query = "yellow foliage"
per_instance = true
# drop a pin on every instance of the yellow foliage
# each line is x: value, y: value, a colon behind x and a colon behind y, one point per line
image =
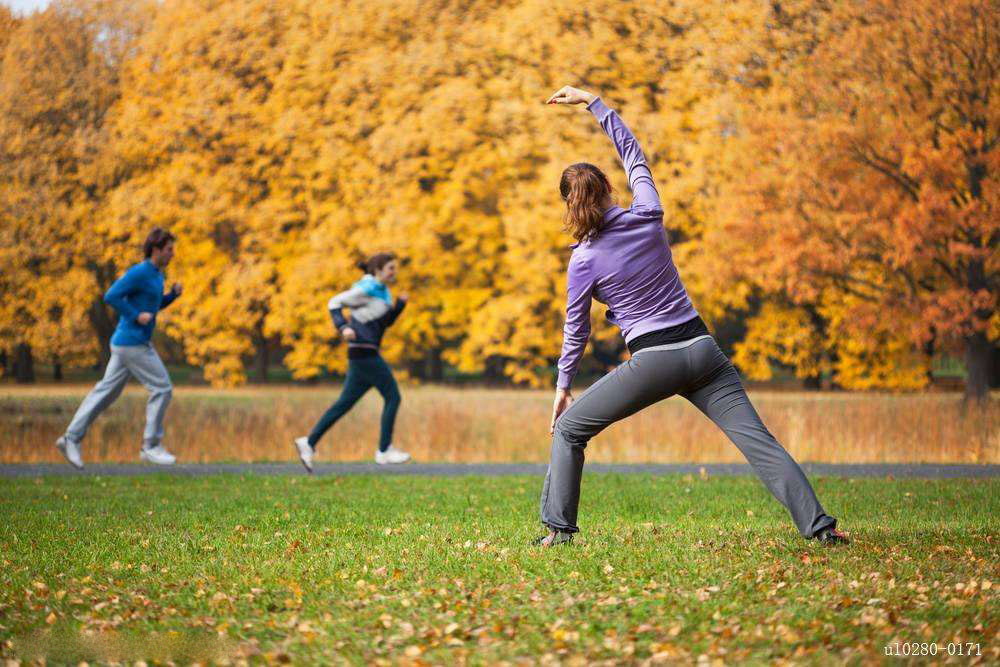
x: 56, y: 88
x: 784, y: 335
x: 282, y: 142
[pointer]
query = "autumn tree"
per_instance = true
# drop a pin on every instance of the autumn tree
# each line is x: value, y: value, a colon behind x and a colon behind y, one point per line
x: 434, y: 142
x: 58, y: 80
x: 193, y: 135
x: 9, y: 330
x: 871, y: 193
x: 826, y: 169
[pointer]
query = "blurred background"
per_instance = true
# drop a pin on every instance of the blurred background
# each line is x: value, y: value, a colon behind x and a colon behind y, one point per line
x: 829, y: 173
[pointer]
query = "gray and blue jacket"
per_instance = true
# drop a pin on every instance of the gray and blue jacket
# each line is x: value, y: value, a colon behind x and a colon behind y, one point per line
x: 372, y: 312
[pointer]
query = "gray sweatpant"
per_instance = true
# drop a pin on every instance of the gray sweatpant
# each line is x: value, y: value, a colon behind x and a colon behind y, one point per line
x: 142, y: 362
x: 699, y: 371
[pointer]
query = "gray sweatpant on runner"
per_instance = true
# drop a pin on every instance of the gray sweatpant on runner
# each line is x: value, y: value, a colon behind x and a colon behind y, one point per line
x: 144, y: 363
x: 700, y: 372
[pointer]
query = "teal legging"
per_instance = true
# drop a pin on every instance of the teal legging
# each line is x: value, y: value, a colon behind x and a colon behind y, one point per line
x: 362, y: 375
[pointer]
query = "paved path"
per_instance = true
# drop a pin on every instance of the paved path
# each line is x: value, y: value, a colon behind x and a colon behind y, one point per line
x: 930, y: 471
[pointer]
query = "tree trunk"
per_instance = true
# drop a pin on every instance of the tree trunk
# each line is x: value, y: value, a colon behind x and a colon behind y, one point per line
x: 104, y: 328
x: 435, y: 370
x: 494, y: 369
x: 995, y: 368
x: 817, y: 382
x: 262, y: 360
x: 57, y: 373
x: 416, y: 368
x: 24, y: 364
x: 929, y: 349
x: 978, y: 350
x: 3, y: 363
x: 978, y: 359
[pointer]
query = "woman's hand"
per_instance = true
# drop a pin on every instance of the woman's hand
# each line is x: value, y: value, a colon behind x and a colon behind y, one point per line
x: 571, y: 95
x: 348, y: 333
x: 563, y: 400
x: 144, y: 318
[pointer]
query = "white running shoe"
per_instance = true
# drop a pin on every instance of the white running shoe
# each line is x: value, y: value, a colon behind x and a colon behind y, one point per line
x: 71, y: 451
x: 158, y: 455
x: 306, y: 452
x: 391, y: 455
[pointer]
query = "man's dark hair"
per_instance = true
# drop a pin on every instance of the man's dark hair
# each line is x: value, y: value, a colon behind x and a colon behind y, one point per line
x: 158, y: 238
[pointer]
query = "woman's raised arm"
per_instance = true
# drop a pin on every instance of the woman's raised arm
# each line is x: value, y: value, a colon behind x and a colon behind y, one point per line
x: 645, y: 198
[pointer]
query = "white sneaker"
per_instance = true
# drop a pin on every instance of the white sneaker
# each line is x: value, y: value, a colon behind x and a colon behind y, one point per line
x: 391, y: 455
x: 71, y: 451
x: 306, y: 452
x: 158, y: 455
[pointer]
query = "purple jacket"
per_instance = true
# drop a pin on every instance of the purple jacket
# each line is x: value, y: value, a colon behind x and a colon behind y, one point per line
x: 628, y: 266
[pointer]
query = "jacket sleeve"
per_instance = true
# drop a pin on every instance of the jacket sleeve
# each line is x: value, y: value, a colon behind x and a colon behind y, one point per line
x: 352, y: 298
x: 645, y: 198
x: 394, y: 312
x: 117, y: 294
x: 168, y: 299
x: 576, y: 332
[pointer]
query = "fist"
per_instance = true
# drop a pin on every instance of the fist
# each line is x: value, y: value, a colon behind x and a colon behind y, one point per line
x: 348, y: 333
x: 177, y: 288
x: 563, y: 399
x: 571, y: 95
x: 144, y: 318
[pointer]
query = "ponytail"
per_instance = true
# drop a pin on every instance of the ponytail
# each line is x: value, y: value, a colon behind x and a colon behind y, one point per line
x: 376, y: 262
x: 585, y: 189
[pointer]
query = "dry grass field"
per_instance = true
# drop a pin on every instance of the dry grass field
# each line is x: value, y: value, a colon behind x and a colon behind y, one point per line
x: 446, y: 424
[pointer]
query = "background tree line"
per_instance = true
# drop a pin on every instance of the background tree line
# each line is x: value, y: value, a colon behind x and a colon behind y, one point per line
x: 829, y: 173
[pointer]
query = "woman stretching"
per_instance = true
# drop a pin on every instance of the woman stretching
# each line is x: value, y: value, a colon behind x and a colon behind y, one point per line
x: 622, y: 259
x: 372, y: 312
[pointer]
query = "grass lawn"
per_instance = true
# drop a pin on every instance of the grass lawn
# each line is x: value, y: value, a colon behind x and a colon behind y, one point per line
x: 372, y: 569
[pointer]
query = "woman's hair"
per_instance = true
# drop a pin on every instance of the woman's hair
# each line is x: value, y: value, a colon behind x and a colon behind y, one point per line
x: 585, y: 189
x: 158, y: 238
x: 376, y: 262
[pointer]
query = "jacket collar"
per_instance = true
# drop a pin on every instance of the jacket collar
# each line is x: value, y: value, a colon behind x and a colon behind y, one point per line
x: 610, y: 217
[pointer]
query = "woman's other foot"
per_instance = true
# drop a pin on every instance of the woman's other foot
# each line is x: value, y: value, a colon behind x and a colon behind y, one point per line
x: 306, y: 452
x: 832, y: 536
x: 391, y: 455
x: 552, y: 539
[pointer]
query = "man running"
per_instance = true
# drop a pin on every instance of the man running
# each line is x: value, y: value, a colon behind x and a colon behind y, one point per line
x: 137, y: 296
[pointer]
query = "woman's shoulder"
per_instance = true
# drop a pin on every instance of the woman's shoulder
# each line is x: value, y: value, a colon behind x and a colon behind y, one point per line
x: 643, y: 214
x: 367, y: 284
x: 372, y: 288
x: 580, y: 257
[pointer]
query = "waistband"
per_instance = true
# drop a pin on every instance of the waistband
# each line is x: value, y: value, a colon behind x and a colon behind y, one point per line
x: 362, y: 352
x: 673, y: 346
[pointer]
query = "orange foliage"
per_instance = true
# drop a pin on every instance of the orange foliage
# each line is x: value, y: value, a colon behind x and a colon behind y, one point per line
x: 871, y: 192
x: 830, y: 168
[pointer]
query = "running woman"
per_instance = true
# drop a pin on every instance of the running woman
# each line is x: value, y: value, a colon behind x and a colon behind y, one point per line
x: 372, y: 312
x: 622, y: 259
x: 137, y: 296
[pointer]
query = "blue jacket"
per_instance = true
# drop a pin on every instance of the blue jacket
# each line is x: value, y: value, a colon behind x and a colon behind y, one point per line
x: 372, y: 311
x: 140, y: 290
